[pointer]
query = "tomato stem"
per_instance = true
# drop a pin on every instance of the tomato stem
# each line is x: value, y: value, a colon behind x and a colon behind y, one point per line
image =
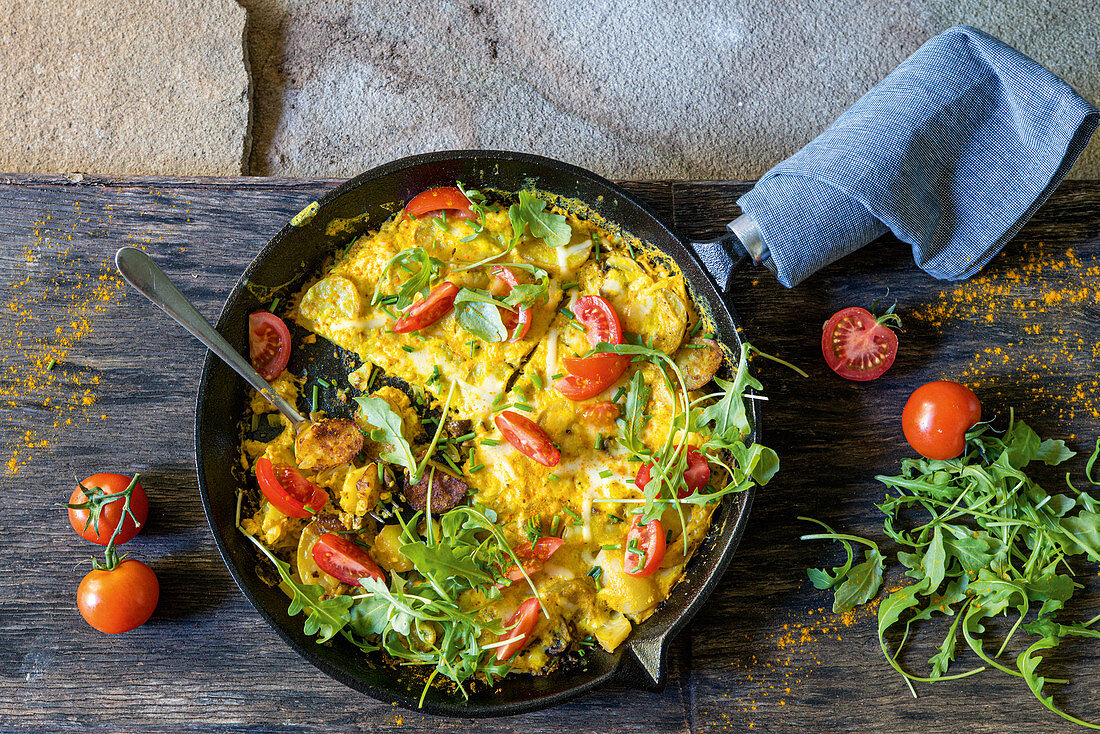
x: 111, y: 559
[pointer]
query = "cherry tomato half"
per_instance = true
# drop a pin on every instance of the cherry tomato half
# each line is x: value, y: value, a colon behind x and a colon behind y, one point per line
x: 426, y: 312
x: 288, y: 491
x: 118, y: 600
x: 541, y: 549
x: 527, y: 437
x: 518, y: 629
x: 649, y: 540
x: 696, y: 474
x: 110, y: 513
x: 344, y: 560
x: 590, y: 376
x: 937, y: 416
x: 602, y: 413
x: 268, y: 344
x: 517, y: 322
x: 856, y: 345
x: 433, y: 200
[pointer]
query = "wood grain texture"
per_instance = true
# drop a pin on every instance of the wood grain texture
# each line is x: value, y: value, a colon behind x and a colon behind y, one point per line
x: 764, y: 654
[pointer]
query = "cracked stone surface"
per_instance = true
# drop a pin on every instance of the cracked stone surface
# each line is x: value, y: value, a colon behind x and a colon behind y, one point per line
x: 628, y: 88
x: 123, y: 87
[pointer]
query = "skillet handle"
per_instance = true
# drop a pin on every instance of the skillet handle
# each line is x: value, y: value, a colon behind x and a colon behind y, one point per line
x: 720, y: 256
x: 644, y: 664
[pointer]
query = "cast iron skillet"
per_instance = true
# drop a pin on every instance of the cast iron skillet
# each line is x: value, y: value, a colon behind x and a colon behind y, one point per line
x: 297, y: 252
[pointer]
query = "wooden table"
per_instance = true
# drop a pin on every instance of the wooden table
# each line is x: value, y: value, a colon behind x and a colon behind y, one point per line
x: 766, y: 653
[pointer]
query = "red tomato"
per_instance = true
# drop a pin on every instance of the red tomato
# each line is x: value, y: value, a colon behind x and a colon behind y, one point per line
x: 598, y: 317
x: 937, y: 416
x: 527, y: 437
x: 288, y: 491
x: 649, y: 539
x: 856, y: 345
x: 531, y: 566
x: 518, y: 629
x: 83, y: 521
x: 118, y: 600
x: 542, y: 548
x: 696, y: 474
x: 344, y: 560
x: 590, y: 376
x: 433, y: 200
x: 268, y: 344
x: 426, y: 312
x: 517, y: 322
x: 602, y: 413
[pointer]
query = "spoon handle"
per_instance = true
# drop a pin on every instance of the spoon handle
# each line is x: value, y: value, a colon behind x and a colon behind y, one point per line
x: 142, y: 273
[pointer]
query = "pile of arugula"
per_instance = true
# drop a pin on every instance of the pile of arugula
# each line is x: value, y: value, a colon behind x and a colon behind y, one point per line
x: 720, y: 417
x: 416, y: 619
x: 994, y: 540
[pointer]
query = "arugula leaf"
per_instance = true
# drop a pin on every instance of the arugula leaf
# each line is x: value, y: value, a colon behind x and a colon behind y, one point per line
x: 422, y: 270
x: 529, y: 213
x: 388, y: 431
x: 324, y: 617
x: 729, y: 415
x: 1053, y: 453
x: 479, y: 313
x: 861, y: 584
x: 634, y: 417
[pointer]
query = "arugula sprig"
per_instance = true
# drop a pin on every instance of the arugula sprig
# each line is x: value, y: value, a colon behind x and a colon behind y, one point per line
x: 529, y: 213
x: 724, y: 423
x: 993, y: 542
x: 420, y: 269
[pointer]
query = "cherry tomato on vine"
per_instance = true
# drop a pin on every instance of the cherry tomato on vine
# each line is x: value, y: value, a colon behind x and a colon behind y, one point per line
x: 518, y: 629
x: 696, y: 474
x: 527, y: 437
x: 423, y: 313
x: 937, y: 416
x: 268, y: 344
x: 645, y: 547
x: 95, y: 516
x: 288, y: 491
x: 120, y: 599
x: 344, y: 560
x: 858, y: 346
x: 439, y: 199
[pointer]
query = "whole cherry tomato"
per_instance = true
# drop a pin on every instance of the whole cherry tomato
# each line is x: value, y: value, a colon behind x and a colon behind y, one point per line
x: 95, y: 516
x: 937, y: 416
x: 119, y: 599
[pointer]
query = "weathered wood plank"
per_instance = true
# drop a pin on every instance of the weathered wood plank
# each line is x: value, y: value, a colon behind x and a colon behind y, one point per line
x: 207, y: 661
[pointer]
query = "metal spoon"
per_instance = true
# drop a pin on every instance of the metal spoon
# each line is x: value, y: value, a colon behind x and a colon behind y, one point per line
x: 142, y: 273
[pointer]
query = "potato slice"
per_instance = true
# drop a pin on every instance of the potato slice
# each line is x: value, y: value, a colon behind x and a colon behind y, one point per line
x: 699, y: 360
x: 328, y: 443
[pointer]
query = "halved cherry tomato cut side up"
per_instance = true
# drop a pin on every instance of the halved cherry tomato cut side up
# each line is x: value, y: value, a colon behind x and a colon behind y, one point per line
x: 649, y: 542
x: 344, y: 560
x: 517, y: 322
x: 542, y: 548
x: 696, y: 475
x: 602, y: 413
x: 433, y: 200
x: 288, y: 491
x: 531, y: 566
x: 598, y: 317
x: 590, y: 376
x: 426, y: 312
x: 268, y: 344
x: 857, y: 346
x: 518, y: 629
x: 527, y: 437
x: 937, y: 416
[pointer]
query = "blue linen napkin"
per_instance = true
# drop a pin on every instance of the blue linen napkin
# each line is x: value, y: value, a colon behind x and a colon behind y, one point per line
x: 953, y: 152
